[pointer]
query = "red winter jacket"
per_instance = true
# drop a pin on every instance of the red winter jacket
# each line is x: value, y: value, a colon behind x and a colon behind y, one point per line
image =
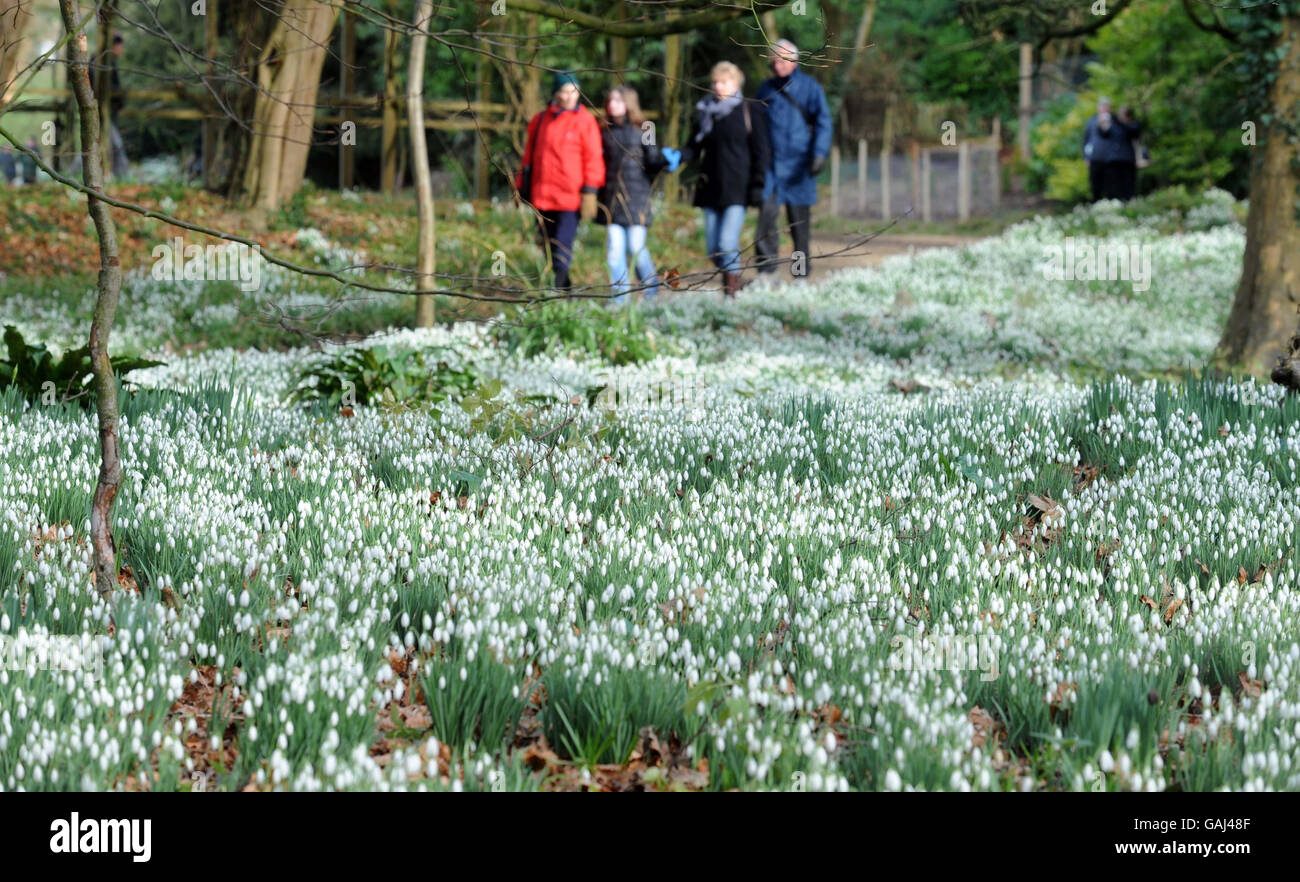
x: 566, y: 156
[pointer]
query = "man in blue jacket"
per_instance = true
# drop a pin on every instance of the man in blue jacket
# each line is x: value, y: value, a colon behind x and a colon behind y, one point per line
x: 799, y: 128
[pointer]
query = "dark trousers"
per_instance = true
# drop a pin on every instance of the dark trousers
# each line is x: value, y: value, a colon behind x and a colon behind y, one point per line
x: 767, y: 245
x: 1112, y: 180
x: 558, y: 229
x: 1126, y: 180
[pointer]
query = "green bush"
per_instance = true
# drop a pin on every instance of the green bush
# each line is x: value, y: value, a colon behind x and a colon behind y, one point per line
x: 619, y: 336
x: 38, y: 376
x: 379, y: 373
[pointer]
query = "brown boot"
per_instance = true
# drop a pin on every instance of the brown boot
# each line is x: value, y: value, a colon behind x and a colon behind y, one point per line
x: 730, y: 284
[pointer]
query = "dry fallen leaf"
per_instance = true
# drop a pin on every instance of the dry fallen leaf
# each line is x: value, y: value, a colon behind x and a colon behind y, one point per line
x: 909, y: 386
x: 987, y: 729
x: 1249, y: 687
x: 1044, y: 504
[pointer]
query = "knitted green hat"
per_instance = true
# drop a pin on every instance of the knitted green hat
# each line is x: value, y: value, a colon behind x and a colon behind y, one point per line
x: 562, y: 78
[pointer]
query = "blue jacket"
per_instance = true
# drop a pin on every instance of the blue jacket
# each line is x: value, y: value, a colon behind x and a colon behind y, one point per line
x: 1113, y: 145
x: 793, y: 143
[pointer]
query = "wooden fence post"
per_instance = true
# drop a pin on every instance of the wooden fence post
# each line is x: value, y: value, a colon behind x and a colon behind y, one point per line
x: 995, y: 143
x: 862, y: 176
x: 915, y: 150
x: 925, y: 184
x: 886, y: 185
x: 963, y: 180
x: 1026, y: 97
x: 835, y: 180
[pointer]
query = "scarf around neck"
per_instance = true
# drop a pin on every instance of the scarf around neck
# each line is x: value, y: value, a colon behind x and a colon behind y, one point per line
x: 711, y: 109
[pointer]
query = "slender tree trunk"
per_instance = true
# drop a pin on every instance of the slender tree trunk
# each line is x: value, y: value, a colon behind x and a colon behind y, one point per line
x: 1264, y: 310
x: 249, y: 26
x: 519, y: 76
x: 288, y: 79
x: 14, y: 16
x: 210, y: 124
x: 109, y: 286
x: 104, y: 85
x: 347, y: 86
x: 671, y: 121
x: 388, y: 174
x: 420, y: 163
x: 482, y: 94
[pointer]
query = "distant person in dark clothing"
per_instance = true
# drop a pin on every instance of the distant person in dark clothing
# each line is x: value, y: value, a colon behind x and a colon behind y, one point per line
x: 1099, y: 150
x: 1108, y: 147
x: 1128, y: 130
x: 729, y: 145
x: 26, y: 164
x: 8, y: 166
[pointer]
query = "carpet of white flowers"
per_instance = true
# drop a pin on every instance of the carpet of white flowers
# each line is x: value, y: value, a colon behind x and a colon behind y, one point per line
x: 924, y: 526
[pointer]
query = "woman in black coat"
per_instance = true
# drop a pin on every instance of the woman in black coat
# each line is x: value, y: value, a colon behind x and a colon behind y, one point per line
x: 729, y: 145
x: 630, y: 168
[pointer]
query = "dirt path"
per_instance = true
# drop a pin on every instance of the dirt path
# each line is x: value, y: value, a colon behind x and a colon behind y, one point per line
x: 873, y: 252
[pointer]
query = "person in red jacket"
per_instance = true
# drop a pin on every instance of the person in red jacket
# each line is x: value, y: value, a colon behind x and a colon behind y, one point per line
x: 563, y: 167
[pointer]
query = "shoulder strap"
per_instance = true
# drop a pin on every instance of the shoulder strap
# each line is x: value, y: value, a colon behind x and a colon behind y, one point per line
x: 807, y: 117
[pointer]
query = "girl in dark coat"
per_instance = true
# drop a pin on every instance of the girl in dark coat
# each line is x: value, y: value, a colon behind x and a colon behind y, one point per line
x: 630, y: 168
x: 729, y: 143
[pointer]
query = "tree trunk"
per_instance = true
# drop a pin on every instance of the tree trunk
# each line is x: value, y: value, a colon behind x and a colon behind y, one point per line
x: 109, y: 286
x: 482, y: 94
x: 14, y: 17
x: 520, y: 76
x: 420, y: 163
x: 288, y: 79
x: 210, y: 125
x: 347, y: 87
x: 388, y: 158
x: 249, y: 26
x: 671, y: 121
x: 1264, y: 309
x: 104, y: 85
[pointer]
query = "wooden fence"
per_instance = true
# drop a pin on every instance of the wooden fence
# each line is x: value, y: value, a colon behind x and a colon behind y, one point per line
x: 914, y: 173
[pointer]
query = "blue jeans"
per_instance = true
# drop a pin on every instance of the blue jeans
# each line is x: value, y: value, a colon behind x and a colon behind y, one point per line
x: 619, y: 242
x: 722, y: 236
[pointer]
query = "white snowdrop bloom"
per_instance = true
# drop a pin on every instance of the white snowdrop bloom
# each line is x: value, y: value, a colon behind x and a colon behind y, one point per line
x: 893, y: 782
